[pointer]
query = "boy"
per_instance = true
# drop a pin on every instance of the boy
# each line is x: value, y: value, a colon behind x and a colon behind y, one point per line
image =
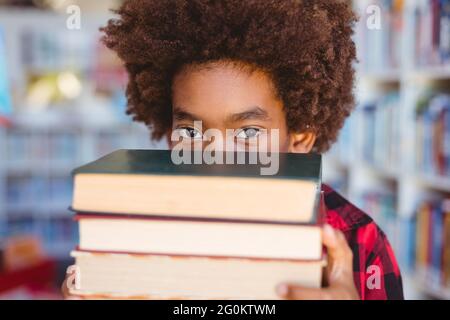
x: 255, y: 66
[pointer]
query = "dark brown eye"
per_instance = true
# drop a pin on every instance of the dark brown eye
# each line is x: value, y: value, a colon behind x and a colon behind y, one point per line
x: 248, y: 133
x: 189, y: 133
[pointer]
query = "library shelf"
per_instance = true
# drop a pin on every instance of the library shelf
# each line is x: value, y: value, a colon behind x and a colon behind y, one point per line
x: 382, y: 171
x: 435, y: 291
x: 61, y: 250
x: 20, y: 208
x: 392, y: 60
x: 424, y: 280
x: 430, y: 73
x: 439, y: 72
x: 337, y: 161
x: 440, y: 183
x: 388, y: 76
x: 436, y: 182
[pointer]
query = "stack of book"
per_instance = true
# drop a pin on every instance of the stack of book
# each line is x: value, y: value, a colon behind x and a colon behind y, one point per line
x: 153, y: 229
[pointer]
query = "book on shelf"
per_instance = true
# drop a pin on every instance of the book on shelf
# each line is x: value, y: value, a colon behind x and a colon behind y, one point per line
x: 432, y: 32
x: 380, y: 204
x: 405, y: 249
x: 342, y: 151
x: 381, y: 133
x: 423, y: 27
x: 433, y: 135
x: 46, y: 55
x: 2, y: 256
x: 5, y: 97
x: 380, y: 48
x: 238, y: 238
x: 32, y: 188
x: 433, y: 242
x: 445, y: 31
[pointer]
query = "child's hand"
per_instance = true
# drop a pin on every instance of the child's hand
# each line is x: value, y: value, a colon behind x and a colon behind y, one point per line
x: 338, y: 274
x: 65, y: 287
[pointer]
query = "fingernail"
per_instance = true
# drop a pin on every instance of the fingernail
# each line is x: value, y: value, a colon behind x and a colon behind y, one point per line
x: 282, y: 290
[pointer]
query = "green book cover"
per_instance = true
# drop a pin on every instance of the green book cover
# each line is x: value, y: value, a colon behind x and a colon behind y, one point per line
x: 291, y: 165
x: 297, y: 167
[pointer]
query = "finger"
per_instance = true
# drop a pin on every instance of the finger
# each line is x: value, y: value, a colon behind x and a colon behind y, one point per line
x: 336, y: 244
x: 340, y: 257
x: 65, y: 290
x: 293, y: 292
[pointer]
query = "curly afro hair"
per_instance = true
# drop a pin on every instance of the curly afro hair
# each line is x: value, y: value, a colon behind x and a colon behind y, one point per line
x: 305, y: 46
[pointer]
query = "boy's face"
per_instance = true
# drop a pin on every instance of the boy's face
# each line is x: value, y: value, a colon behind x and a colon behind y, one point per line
x: 225, y: 97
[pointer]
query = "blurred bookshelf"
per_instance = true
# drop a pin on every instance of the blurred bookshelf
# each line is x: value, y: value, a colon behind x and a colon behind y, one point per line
x: 68, y: 109
x: 37, y: 194
x: 392, y: 158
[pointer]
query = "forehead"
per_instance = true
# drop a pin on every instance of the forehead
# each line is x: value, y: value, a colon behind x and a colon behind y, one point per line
x: 219, y: 89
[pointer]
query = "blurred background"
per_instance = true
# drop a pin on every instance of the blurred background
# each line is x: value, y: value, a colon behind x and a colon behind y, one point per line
x: 62, y: 104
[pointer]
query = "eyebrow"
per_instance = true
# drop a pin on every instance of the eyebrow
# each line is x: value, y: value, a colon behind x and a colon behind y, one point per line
x: 180, y: 115
x: 256, y: 113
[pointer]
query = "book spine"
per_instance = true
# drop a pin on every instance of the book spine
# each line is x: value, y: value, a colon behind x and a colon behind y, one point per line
x: 446, y: 251
x: 435, y: 7
x: 446, y: 145
x: 2, y: 258
x: 79, y: 250
x: 433, y: 241
x: 436, y: 242
x: 445, y: 31
x: 433, y: 136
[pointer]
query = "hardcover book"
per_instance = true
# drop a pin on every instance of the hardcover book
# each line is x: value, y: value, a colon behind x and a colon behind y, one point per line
x: 212, y: 238
x: 132, y: 276
x: 140, y: 182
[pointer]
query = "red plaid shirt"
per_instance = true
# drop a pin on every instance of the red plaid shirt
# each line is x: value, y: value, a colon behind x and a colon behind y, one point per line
x: 370, y: 248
